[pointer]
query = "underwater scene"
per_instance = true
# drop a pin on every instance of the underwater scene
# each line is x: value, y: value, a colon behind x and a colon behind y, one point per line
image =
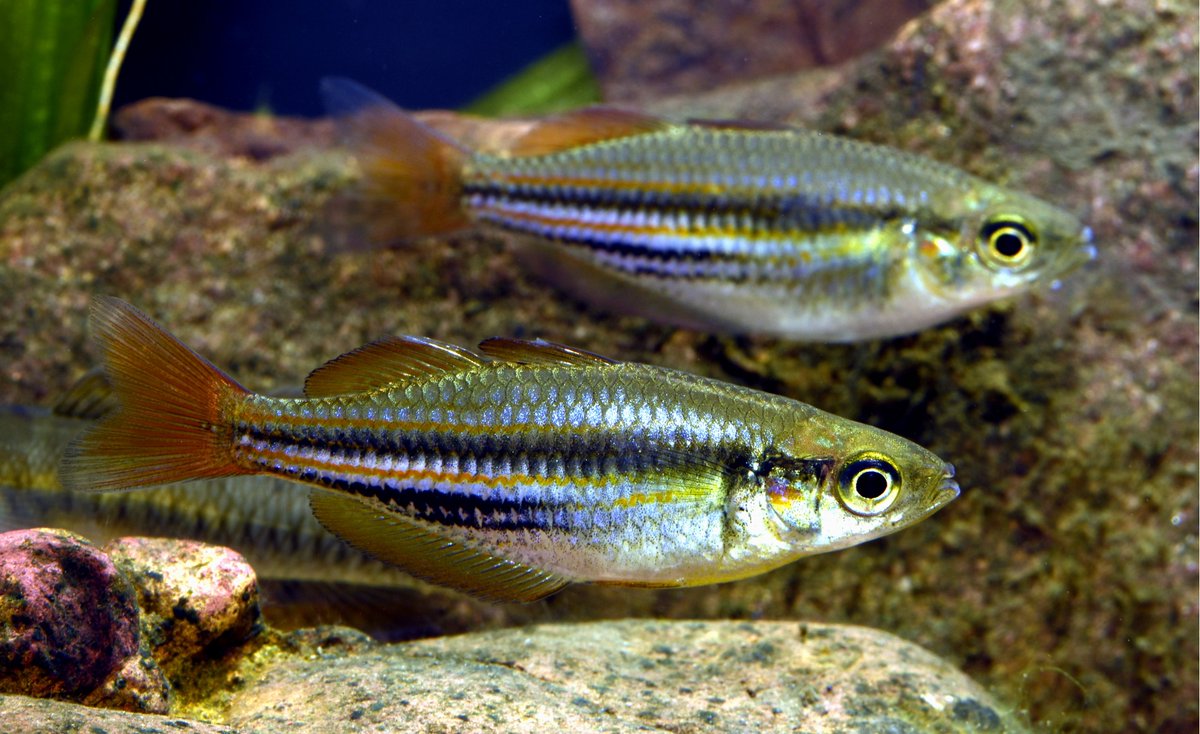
x: 599, y: 365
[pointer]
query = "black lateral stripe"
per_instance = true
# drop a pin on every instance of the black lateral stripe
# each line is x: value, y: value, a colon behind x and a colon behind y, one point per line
x: 450, y: 509
x: 467, y: 510
x: 654, y: 260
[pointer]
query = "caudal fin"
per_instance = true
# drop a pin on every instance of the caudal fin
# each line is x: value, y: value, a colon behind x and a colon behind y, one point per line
x: 412, y: 175
x: 171, y: 424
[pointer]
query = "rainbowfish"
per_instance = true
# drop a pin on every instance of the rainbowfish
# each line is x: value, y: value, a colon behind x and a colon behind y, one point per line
x: 510, y: 477
x: 720, y: 226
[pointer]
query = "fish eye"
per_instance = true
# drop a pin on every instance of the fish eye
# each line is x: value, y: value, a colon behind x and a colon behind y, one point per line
x: 1007, y: 241
x: 869, y: 484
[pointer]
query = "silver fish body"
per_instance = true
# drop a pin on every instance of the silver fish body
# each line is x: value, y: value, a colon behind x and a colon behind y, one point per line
x: 721, y: 227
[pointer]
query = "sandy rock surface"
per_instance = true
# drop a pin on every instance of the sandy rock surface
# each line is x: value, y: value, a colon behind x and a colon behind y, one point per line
x: 624, y: 677
x: 601, y: 677
x: 46, y: 716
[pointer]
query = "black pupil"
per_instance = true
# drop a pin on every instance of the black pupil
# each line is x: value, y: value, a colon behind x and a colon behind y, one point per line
x: 871, y: 484
x: 1009, y: 244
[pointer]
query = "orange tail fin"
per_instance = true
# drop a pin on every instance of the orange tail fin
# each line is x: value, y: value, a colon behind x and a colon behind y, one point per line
x: 412, y: 175
x: 171, y: 424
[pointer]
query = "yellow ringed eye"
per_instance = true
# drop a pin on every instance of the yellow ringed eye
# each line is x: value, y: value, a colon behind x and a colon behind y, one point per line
x: 868, y: 484
x: 1008, y: 242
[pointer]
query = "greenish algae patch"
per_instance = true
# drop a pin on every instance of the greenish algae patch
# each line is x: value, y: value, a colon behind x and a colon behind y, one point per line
x: 206, y: 691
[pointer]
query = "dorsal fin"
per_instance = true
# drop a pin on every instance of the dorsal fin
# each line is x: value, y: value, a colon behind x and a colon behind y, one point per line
x: 751, y: 125
x: 583, y: 127
x: 91, y: 397
x: 431, y: 555
x: 539, y: 351
x: 385, y: 362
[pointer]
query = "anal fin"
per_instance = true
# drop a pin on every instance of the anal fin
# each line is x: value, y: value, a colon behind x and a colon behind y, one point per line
x: 430, y: 555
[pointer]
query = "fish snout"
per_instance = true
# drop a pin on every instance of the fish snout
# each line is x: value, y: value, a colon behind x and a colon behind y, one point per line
x: 948, y: 490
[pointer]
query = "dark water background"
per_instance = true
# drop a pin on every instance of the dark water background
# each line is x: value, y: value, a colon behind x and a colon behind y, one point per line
x: 272, y: 53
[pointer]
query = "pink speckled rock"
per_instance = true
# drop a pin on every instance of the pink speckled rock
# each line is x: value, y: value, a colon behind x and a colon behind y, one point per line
x: 69, y: 625
x: 194, y: 597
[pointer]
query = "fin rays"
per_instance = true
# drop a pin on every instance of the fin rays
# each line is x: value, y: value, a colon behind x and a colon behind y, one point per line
x: 430, y: 555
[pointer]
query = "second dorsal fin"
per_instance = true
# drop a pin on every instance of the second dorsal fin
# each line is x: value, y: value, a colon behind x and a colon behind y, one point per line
x: 583, y: 127
x: 539, y: 351
x: 385, y: 362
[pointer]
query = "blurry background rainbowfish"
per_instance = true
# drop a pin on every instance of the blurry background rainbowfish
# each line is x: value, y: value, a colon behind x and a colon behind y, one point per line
x: 719, y: 226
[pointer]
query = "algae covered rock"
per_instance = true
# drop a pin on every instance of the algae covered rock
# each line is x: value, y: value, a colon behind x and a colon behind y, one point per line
x: 194, y: 598
x: 107, y: 627
x: 69, y: 625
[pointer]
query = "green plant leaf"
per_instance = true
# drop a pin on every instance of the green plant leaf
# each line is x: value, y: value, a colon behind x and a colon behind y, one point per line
x: 560, y: 80
x: 53, y: 53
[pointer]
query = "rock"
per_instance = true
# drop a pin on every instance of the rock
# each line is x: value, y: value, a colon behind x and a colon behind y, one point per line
x: 69, y: 625
x: 194, y: 598
x: 643, y: 50
x: 625, y: 677
x: 215, y: 131
x: 42, y: 716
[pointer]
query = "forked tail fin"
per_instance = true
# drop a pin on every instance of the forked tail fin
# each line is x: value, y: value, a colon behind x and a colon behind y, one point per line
x: 172, y: 422
x: 412, y: 175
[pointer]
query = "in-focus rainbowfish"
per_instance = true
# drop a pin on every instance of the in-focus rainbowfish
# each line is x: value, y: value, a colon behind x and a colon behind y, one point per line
x: 719, y: 225
x: 511, y: 477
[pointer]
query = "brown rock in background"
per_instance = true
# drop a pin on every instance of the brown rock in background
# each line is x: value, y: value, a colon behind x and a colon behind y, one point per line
x: 643, y: 49
x: 215, y: 131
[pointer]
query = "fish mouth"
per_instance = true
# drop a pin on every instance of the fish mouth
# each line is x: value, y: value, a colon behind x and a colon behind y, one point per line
x: 948, y: 490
